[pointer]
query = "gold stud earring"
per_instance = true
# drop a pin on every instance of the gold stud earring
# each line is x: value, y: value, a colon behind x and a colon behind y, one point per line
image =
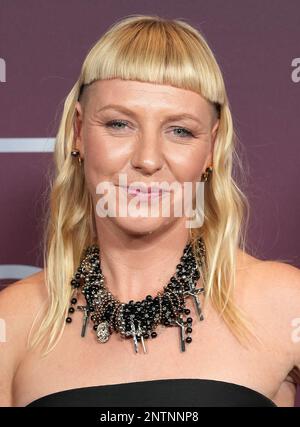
x: 76, y: 153
x: 206, y: 174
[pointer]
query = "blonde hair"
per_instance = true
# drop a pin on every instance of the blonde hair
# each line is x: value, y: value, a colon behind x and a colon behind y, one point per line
x: 162, y: 51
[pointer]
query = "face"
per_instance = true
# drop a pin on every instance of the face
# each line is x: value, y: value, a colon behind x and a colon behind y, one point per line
x: 140, y: 138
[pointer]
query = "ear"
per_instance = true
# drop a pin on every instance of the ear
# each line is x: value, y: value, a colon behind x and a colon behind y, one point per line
x: 214, y: 133
x: 78, y: 143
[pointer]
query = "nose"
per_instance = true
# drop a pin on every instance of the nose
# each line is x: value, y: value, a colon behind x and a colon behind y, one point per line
x: 147, y: 157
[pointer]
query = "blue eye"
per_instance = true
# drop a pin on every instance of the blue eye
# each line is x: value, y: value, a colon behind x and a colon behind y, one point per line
x: 115, y: 124
x: 186, y: 132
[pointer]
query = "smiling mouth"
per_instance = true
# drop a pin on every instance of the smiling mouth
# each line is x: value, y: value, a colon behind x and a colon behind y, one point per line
x: 144, y: 193
x: 141, y: 190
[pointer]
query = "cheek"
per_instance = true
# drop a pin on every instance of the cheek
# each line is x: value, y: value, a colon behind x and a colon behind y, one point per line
x: 103, y: 155
x: 187, y: 163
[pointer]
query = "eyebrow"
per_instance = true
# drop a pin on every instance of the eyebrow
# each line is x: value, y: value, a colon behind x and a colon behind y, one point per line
x: 133, y: 114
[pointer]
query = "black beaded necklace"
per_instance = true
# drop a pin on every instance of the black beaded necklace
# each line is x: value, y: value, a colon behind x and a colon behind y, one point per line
x: 137, y: 320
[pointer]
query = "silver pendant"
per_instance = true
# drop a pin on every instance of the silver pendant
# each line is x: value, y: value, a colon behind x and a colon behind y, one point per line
x: 133, y: 333
x: 137, y: 333
x: 142, y: 338
x: 180, y: 323
x: 103, y: 332
x: 86, y: 314
x: 194, y: 293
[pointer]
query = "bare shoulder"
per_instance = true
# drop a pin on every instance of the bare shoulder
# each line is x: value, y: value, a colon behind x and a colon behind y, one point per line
x: 20, y: 302
x: 278, y: 278
x: 280, y: 284
x: 269, y: 276
x: 270, y: 290
x: 33, y: 284
x: 20, y: 299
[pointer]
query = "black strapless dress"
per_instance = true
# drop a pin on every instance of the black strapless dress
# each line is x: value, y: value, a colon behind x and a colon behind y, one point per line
x: 160, y: 393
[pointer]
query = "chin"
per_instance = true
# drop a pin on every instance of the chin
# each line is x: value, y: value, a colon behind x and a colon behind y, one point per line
x: 141, y: 226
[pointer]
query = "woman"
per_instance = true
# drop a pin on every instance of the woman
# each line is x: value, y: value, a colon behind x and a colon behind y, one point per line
x: 145, y: 310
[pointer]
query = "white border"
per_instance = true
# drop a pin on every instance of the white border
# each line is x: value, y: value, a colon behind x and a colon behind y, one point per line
x: 26, y: 145
x: 17, y: 271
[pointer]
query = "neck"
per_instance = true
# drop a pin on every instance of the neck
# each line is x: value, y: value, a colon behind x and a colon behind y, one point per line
x: 135, y: 266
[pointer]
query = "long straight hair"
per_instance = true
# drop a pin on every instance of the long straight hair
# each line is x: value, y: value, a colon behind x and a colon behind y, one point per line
x: 162, y: 51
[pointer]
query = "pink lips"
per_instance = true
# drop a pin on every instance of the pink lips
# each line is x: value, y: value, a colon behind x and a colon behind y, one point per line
x: 148, y: 190
x: 144, y: 193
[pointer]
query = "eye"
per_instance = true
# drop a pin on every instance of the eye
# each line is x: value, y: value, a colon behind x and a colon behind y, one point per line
x: 115, y: 124
x: 119, y: 124
x: 184, y: 132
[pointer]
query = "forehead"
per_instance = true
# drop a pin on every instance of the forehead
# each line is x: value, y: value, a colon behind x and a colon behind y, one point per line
x: 143, y: 95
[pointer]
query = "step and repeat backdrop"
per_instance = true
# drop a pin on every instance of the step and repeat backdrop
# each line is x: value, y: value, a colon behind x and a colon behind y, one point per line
x: 42, y: 46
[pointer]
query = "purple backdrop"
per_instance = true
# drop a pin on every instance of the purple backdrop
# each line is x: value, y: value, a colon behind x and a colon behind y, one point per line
x: 42, y: 46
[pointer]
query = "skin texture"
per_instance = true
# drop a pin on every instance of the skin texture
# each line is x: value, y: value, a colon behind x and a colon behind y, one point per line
x: 139, y: 256
x: 149, y: 148
x: 268, y: 291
